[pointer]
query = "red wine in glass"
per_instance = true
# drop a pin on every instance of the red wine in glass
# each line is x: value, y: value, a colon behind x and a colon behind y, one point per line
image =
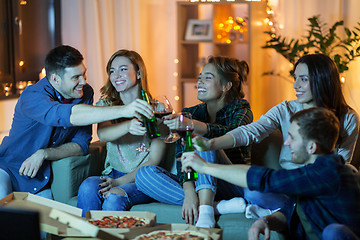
x: 161, y: 114
x: 162, y: 107
x: 182, y: 131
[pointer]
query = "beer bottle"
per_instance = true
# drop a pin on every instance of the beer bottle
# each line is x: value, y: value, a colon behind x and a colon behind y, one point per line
x: 191, y: 176
x: 150, y: 124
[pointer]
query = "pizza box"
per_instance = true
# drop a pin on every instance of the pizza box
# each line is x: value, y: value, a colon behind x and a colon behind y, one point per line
x: 28, y: 201
x: 214, y: 233
x: 88, y: 229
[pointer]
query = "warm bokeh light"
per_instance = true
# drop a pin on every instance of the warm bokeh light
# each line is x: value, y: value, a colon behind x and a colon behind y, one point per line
x: 42, y: 74
x: 175, y: 74
x: 233, y: 29
x: 176, y: 60
x: 21, y: 63
x: 177, y: 98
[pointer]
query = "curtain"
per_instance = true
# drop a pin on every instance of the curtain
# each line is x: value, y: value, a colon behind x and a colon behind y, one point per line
x: 98, y: 28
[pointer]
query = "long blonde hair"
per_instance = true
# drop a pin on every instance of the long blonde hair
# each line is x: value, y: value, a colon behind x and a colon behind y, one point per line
x: 108, y: 91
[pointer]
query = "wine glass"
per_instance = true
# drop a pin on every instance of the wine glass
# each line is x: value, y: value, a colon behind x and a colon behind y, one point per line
x: 185, y: 125
x: 162, y: 107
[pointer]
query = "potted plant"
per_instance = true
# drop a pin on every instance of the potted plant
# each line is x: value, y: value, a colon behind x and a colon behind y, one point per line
x: 319, y: 39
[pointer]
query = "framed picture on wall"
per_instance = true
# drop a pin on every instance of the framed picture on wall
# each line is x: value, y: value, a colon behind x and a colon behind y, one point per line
x: 199, y: 30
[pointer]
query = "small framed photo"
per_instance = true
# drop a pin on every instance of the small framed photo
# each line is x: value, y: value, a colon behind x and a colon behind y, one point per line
x: 199, y: 30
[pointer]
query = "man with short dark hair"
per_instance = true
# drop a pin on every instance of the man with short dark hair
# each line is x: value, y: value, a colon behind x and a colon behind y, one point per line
x: 324, y: 192
x: 52, y: 120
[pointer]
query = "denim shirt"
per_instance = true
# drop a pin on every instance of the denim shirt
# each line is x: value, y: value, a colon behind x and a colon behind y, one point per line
x: 41, y: 121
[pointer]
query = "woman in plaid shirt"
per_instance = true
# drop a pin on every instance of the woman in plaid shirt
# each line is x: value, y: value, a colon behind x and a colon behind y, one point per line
x: 223, y: 109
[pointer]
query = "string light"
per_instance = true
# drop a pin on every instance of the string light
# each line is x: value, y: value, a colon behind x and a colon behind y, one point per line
x: 270, y: 20
x: 202, y: 1
x: 342, y: 79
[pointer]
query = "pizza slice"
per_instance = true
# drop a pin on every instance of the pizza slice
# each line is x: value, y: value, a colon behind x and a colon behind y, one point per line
x: 173, y: 235
x: 119, y: 222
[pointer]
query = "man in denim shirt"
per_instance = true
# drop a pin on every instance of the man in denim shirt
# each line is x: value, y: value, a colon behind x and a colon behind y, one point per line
x: 324, y: 193
x: 52, y: 120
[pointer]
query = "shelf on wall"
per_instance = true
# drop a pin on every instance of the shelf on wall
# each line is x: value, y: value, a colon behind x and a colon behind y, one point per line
x: 190, y: 52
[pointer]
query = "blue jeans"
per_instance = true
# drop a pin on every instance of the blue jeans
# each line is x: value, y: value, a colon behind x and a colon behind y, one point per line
x: 269, y: 200
x: 164, y: 187
x: 5, y: 184
x: 89, y: 197
x: 337, y: 231
x: 6, y: 189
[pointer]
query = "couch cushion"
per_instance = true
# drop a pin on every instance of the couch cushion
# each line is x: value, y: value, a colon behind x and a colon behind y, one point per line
x: 67, y: 172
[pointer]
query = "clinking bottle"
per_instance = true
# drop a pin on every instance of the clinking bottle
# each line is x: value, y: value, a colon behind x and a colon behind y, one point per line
x: 150, y: 124
x: 190, y: 176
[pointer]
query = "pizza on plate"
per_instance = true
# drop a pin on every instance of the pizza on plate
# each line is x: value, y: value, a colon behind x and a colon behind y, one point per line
x: 119, y: 222
x: 173, y: 235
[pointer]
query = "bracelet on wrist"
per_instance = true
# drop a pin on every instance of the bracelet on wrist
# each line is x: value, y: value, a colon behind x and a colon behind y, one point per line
x: 264, y: 219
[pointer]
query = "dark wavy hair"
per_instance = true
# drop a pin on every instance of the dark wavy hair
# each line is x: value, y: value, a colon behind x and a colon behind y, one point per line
x: 319, y: 125
x: 325, y: 83
x: 231, y: 70
x: 60, y: 58
x: 108, y: 91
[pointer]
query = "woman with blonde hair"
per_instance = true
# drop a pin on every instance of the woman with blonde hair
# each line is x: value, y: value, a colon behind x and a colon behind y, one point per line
x: 116, y: 190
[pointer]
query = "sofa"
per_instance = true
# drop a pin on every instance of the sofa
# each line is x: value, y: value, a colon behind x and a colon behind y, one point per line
x: 68, y: 173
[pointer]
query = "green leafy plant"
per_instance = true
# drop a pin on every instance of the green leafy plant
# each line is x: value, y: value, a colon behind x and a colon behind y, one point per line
x: 319, y: 39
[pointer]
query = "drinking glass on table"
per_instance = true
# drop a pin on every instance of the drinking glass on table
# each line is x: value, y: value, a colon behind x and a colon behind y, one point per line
x: 184, y: 129
x: 162, y: 107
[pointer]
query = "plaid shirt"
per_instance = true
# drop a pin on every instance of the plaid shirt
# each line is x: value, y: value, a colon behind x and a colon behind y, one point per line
x: 231, y: 116
x: 328, y: 191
